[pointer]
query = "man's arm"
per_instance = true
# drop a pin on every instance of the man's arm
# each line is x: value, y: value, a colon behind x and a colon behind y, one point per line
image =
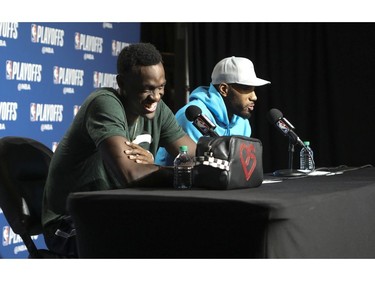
x: 126, y: 170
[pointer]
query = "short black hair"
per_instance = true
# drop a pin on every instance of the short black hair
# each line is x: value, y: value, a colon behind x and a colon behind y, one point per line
x: 137, y: 54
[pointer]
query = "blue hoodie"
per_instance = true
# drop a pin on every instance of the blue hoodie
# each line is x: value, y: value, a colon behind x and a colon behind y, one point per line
x: 209, y: 100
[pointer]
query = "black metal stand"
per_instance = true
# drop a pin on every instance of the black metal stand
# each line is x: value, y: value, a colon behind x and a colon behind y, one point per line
x: 289, y: 172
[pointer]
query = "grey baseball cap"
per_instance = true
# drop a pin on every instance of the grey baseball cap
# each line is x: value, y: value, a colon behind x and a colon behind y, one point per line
x: 236, y: 70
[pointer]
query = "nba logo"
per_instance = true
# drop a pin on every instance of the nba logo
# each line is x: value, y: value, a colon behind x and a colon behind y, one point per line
x: 114, y: 47
x: 75, y: 110
x: 96, y: 79
x: 282, y: 126
x: 77, y: 39
x: 6, y: 234
x: 9, y: 69
x: 34, y: 37
x: 32, y: 112
x: 54, y: 146
x: 56, y: 71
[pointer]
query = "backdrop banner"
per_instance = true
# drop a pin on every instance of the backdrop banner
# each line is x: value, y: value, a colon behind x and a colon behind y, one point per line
x: 46, y: 71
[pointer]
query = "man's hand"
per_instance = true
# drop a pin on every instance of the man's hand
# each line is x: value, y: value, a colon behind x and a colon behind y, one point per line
x: 139, y: 154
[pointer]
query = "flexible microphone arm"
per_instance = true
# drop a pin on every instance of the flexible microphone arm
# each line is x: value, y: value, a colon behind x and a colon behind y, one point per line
x: 284, y: 126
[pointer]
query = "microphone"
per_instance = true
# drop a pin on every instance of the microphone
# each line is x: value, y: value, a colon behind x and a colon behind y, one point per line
x: 276, y: 118
x: 200, y: 121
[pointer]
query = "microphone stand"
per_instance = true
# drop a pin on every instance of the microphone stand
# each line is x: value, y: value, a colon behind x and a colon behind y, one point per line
x: 290, y: 172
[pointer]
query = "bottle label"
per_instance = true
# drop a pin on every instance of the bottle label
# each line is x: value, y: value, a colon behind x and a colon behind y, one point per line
x: 183, y: 177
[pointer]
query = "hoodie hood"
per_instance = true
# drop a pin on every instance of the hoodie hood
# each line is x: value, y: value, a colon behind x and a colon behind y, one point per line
x: 215, y: 104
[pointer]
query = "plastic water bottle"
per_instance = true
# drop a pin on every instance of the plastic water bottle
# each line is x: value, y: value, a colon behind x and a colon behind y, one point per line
x: 306, y: 157
x: 183, y: 169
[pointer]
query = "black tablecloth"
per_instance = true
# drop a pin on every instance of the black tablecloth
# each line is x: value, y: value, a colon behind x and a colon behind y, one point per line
x: 311, y: 217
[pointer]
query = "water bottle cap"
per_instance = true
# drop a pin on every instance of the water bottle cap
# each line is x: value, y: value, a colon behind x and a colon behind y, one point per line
x: 183, y: 148
x: 307, y: 143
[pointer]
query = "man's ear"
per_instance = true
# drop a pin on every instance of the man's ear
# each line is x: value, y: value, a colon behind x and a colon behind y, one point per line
x: 223, y: 89
x: 120, y: 81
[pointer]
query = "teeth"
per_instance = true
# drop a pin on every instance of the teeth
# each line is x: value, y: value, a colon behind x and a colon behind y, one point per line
x: 152, y: 106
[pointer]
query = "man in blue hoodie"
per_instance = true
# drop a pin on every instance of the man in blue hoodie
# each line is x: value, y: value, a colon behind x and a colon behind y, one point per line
x: 227, y: 102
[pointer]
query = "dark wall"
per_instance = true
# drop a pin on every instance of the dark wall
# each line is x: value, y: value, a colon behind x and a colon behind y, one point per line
x: 322, y: 75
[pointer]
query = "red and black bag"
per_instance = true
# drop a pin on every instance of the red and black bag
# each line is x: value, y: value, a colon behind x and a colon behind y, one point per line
x: 228, y: 162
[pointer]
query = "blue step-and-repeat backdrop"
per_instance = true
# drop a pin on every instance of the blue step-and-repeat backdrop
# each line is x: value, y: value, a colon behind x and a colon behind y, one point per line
x: 46, y: 71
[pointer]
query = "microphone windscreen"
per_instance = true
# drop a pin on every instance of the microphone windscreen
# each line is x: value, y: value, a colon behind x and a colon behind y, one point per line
x: 192, y: 112
x: 274, y: 115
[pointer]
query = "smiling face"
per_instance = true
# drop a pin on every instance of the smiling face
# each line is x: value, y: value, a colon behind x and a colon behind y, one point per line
x: 142, y: 90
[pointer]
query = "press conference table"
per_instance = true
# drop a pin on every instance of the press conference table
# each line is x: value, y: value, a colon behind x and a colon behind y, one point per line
x: 310, y: 217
